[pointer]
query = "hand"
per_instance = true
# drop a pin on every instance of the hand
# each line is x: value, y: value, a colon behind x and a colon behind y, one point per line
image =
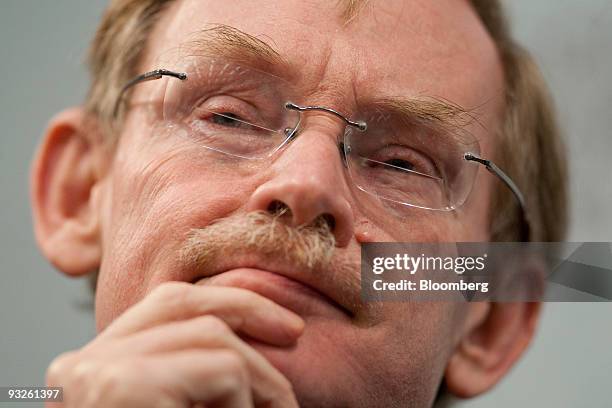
x: 179, y: 347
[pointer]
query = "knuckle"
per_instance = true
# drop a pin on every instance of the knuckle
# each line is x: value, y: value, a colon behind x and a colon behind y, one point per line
x: 59, y: 366
x: 169, y: 291
x: 113, y: 383
x: 213, y: 325
x: 236, y: 370
x: 174, y: 296
x: 82, y: 373
x: 234, y: 364
x: 245, y: 297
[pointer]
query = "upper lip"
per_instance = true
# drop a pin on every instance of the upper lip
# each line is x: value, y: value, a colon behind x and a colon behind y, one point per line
x: 325, y: 282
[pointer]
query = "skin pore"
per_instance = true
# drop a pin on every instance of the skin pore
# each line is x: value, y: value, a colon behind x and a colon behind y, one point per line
x: 137, y: 204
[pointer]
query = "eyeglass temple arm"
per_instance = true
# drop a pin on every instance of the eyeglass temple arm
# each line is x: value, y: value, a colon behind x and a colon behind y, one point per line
x: 492, y: 168
x: 147, y: 76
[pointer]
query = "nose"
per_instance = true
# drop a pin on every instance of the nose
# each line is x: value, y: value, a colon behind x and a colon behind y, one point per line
x: 308, y: 182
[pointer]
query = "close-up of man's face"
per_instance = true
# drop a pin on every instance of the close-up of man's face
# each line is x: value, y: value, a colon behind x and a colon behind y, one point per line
x: 280, y: 149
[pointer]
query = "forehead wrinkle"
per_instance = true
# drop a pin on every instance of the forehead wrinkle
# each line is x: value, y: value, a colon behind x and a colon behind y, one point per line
x: 230, y: 43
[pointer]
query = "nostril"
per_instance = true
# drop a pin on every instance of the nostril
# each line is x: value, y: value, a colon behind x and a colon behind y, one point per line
x: 278, y: 208
x: 330, y: 220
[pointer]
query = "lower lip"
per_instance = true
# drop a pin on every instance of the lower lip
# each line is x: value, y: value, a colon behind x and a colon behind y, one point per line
x: 289, y: 293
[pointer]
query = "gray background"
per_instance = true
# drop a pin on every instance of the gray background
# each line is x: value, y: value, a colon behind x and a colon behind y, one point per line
x: 42, y: 44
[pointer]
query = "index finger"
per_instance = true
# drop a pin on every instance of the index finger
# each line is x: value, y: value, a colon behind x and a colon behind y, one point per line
x: 242, y: 310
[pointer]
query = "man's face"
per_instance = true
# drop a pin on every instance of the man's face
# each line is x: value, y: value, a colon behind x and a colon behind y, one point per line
x: 161, y: 188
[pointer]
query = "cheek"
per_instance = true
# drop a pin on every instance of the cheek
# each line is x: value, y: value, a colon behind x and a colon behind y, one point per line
x: 156, y: 199
x: 421, y: 226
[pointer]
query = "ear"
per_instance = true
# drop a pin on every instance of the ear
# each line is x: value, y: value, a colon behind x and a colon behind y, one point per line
x: 495, y: 337
x: 65, y: 194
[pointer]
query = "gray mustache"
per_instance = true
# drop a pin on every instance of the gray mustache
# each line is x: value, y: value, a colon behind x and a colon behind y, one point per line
x: 307, y: 247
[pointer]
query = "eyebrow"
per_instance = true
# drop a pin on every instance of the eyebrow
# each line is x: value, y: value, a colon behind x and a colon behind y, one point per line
x: 230, y: 43
x: 436, y: 112
x: 233, y: 44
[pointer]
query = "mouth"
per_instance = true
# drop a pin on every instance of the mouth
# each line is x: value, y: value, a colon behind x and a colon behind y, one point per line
x: 295, y: 295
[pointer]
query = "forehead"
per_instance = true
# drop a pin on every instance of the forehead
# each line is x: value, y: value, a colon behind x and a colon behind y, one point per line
x: 393, y: 47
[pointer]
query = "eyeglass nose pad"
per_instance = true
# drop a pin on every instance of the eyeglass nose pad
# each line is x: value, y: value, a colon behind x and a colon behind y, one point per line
x: 290, y: 133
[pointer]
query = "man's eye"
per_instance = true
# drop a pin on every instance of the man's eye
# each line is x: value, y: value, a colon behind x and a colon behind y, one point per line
x: 400, y: 165
x: 227, y: 119
x: 414, y: 164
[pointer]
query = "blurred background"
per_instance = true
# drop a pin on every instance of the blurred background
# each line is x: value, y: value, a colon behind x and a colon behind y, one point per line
x: 42, y: 46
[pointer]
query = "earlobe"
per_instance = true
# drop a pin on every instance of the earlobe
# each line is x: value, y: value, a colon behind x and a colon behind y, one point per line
x: 65, y: 190
x: 490, y: 348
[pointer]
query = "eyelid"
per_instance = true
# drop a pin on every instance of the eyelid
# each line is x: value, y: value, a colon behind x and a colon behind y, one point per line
x: 420, y: 156
x: 238, y: 108
x: 252, y: 118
